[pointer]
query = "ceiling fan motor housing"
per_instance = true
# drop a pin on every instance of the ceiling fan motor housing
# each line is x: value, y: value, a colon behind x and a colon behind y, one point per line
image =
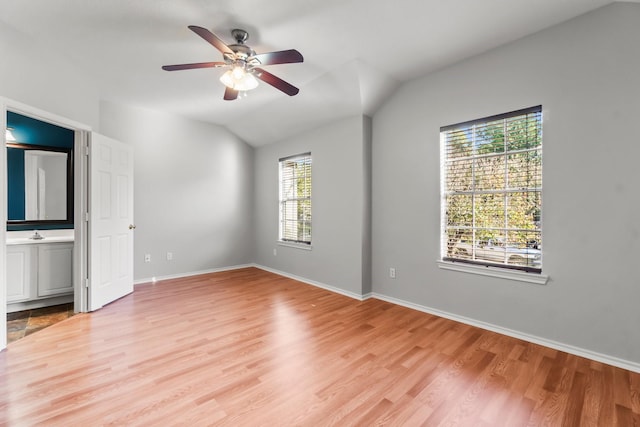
x: 241, y: 50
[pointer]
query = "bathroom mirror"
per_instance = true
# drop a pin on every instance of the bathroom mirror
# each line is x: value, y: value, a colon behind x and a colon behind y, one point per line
x: 39, y: 185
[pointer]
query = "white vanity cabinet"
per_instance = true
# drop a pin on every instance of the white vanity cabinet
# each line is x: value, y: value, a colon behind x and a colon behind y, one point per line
x: 55, y: 269
x: 20, y: 272
x: 39, y: 271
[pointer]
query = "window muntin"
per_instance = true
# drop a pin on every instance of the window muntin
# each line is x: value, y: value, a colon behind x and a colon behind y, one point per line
x: 492, y: 190
x: 295, y: 199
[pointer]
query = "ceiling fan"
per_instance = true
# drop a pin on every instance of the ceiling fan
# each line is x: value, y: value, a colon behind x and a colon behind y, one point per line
x: 242, y: 64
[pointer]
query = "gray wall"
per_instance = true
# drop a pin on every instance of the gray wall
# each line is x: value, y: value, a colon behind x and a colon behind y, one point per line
x: 586, y: 75
x: 33, y: 75
x: 193, y: 191
x: 339, y: 206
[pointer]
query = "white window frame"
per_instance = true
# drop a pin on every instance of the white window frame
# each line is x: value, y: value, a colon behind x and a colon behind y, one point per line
x: 295, y: 207
x: 470, y: 262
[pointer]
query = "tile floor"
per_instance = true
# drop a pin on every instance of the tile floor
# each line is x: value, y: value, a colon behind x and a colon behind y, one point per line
x: 23, y: 323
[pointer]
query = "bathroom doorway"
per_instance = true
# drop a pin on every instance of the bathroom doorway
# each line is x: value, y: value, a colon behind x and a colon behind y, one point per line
x: 101, y: 250
x: 44, y: 254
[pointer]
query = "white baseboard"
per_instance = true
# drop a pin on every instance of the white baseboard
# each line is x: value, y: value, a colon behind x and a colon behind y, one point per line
x: 577, y: 351
x: 191, y: 273
x: 349, y: 294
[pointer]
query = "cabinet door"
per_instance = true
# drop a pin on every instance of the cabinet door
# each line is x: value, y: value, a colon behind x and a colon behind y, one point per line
x: 55, y: 272
x: 20, y: 272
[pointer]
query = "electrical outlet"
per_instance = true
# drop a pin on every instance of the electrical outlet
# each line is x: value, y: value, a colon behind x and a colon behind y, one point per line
x: 275, y: 252
x: 392, y: 272
x: 169, y: 256
x: 147, y: 257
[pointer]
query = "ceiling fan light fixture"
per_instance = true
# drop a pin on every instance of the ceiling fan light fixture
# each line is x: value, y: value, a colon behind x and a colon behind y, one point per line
x: 238, y: 79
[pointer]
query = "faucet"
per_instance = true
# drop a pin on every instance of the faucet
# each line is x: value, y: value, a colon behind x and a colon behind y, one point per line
x: 36, y: 235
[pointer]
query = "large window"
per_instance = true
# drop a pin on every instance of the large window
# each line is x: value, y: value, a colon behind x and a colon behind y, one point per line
x: 295, y: 199
x: 492, y: 191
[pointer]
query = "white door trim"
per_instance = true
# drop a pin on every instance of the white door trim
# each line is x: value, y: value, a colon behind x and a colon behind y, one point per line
x: 3, y: 228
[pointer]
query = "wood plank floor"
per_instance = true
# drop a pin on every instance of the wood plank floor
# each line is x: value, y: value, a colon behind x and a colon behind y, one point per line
x: 250, y: 348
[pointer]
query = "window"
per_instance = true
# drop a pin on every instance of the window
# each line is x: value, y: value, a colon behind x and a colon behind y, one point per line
x: 492, y: 191
x: 295, y: 199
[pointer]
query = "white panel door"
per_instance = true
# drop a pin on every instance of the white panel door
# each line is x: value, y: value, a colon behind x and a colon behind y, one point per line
x: 110, y: 220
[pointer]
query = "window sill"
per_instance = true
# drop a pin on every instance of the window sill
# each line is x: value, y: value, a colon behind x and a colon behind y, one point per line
x: 295, y: 245
x: 538, y: 279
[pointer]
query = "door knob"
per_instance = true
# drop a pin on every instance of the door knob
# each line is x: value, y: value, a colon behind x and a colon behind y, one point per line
x: 131, y: 226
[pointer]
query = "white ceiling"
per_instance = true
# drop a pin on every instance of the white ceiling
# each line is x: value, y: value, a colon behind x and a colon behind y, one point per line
x: 356, y: 51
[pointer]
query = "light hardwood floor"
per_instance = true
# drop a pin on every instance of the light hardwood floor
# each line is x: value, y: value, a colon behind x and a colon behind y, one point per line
x: 250, y: 348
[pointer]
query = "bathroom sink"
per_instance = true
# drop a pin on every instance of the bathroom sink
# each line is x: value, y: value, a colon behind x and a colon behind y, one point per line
x: 21, y: 240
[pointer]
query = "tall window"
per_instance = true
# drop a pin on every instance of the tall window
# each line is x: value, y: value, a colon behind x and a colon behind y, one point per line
x: 295, y: 199
x: 492, y: 190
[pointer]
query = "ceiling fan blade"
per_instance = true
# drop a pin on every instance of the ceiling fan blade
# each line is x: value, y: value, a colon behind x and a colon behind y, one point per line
x: 211, y: 38
x: 276, y: 82
x: 281, y: 57
x: 193, y: 66
x: 230, y: 94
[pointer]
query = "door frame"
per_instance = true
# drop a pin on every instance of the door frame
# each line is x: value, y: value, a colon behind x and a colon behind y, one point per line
x: 80, y: 246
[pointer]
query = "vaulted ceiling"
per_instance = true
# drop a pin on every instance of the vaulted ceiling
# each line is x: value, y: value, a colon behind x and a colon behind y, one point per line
x: 356, y: 51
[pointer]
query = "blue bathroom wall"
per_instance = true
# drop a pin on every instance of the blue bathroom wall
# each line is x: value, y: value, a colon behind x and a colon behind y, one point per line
x: 27, y: 130
x: 15, y: 191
